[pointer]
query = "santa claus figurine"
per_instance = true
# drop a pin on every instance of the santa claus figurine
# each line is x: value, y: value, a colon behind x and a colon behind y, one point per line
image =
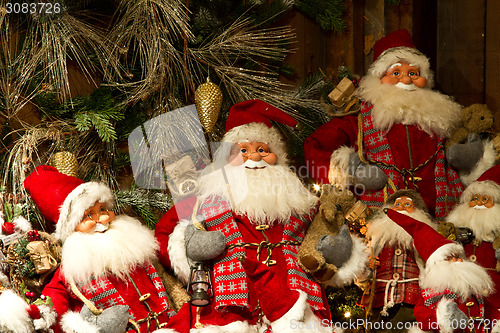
x: 107, y: 280
x: 453, y: 288
x: 253, y: 208
x: 396, y: 141
x: 479, y: 210
x: 391, y: 289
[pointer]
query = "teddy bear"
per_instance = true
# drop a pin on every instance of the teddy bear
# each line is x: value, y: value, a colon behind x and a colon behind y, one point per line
x: 476, y: 119
x: 328, y: 221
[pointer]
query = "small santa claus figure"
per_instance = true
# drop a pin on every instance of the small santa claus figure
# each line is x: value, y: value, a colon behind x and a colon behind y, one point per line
x: 397, y: 140
x: 253, y: 207
x: 453, y: 288
x: 479, y: 210
x: 391, y: 289
x: 107, y: 280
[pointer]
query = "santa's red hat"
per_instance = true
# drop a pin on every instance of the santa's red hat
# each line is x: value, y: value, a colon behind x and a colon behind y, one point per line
x: 251, y: 121
x: 431, y: 246
x: 396, y: 47
x: 487, y: 184
x: 63, y: 199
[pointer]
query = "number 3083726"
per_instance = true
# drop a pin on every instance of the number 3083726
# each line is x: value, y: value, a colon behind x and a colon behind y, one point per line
x: 33, y: 8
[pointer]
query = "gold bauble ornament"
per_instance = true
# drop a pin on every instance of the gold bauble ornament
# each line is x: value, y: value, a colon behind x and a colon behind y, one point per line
x: 208, y: 101
x: 65, y: 162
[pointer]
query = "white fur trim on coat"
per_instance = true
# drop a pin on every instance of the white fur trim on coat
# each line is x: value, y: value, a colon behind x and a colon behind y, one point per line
x: 234, y: 327
x: 14, y: 313
x: 73, y: 322
x: 77, y: 202
x: 338, y: 173
x: 177, y: 251
x: 300, y: 319
x: 486, y: 162
x: 354, y: 267
x: 402, y: 53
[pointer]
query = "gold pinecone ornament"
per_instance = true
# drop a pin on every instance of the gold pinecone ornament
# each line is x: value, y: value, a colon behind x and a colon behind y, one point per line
x: 208, y: 101
x: 65, y: 162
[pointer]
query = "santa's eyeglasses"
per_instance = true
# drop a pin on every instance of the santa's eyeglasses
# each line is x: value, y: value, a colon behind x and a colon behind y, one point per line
x: 261, y: 151
x: 398, y: 74
x: 94, y: 216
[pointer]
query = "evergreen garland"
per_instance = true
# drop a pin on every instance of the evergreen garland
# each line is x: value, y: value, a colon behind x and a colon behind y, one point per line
x: 329, y: 14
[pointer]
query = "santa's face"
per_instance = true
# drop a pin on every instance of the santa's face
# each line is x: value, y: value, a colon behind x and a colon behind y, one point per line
x: 252, y: 155
x: 96, y: 219
x: 479, y: 201
x: 404, y: 76
x: 404, y: 203
x: 480, y: 214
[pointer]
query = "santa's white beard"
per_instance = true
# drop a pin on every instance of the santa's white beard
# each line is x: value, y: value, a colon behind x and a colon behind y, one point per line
x: 124, y: 246
x: 431, y: 111
x: 462, y: 278
x: 265, y: 196
x: 485, y: 223
x: 382, y: 231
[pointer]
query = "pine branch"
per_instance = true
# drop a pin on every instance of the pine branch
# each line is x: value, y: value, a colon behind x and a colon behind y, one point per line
x: 329, y: 14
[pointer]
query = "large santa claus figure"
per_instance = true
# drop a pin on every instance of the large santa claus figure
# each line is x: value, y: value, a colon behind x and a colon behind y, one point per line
x: 255, y: 209
x: 453, y: 288
x: 479, y: 210
x: 107, y: 280
x: 396, y: 141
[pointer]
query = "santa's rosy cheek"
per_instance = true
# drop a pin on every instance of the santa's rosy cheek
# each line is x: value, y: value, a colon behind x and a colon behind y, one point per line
x: 420, y: 82
x: 389, y: 80
x: 270, y: 159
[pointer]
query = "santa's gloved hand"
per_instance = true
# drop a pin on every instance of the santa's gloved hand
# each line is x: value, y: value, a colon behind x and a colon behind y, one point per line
x: 203, y: 245
x: 111, y: 320
x: 371, y: 177
x: 336, y: 249
x: 464, y: 156
x: 455, y: 317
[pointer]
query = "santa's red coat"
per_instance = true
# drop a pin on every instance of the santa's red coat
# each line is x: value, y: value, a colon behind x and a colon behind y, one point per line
x: 484, y: 255
x: 343, y: 131
x: 65, y: 300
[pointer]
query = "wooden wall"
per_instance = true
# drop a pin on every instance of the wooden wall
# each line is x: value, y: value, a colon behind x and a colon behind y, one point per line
x: 461, y: 38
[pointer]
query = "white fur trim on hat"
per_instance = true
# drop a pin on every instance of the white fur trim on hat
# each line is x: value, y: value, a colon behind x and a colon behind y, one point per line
x: 487, y: 187
x: 14, y: 313
x: 77, y: 202
x: 444, y: 251
x: 261, y: 133
x: 177, y: 251
x: 354, y: 267
x: 402, y: 53
x: 300, y: 319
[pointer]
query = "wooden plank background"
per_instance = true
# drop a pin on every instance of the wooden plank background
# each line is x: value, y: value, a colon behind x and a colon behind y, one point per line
x: 461, y: 38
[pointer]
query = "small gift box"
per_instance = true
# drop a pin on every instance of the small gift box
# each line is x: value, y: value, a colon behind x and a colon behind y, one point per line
x: 342, y: 93
x: 40, y: 255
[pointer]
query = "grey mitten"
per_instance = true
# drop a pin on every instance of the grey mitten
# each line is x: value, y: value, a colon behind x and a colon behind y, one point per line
x: 203, y: 245
x: 457, y: 319
x: 371, y: 177
x: 497, y: 254
x: 464, y: 156
x: 336, y: 249
x: 111, y: 320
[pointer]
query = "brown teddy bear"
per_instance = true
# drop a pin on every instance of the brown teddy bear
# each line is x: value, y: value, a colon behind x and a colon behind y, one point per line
x: 334, y: 202
x: 476, y: 118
